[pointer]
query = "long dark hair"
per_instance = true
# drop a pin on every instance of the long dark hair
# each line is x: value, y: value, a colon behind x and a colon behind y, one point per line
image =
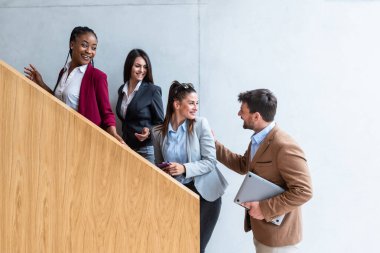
x: 133, y: 54
x: 178, y: 91
x: 75, y: 33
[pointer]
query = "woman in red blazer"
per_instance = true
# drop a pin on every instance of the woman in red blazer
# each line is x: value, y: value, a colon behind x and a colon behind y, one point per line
x: 80, y: 85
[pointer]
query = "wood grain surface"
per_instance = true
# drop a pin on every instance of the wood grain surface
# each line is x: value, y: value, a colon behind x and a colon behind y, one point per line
x: 67, y: 186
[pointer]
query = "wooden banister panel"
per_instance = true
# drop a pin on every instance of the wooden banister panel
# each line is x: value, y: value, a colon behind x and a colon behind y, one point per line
x: 67, y: 186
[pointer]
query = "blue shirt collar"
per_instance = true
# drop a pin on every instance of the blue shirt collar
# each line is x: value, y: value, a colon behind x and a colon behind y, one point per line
x: 260, y: 136
x: 182, y: 126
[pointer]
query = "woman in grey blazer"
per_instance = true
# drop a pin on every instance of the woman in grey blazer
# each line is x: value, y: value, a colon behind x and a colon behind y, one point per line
x: 186, y: 143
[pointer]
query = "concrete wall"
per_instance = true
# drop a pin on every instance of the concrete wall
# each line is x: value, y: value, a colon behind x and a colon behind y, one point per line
x: 38, y: 32
x: 319, y: 57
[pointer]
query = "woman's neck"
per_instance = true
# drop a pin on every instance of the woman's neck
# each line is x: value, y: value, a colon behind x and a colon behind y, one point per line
x: 133, y: 83
x: 73, y: 66
x: 176, y: 121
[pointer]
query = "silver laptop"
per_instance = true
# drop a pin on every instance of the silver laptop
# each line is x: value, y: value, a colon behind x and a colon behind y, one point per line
x: 256, y: 188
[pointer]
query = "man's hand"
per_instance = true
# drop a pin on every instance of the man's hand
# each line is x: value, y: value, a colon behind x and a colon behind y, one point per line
x: 213, y: 134
x: 254, y: 210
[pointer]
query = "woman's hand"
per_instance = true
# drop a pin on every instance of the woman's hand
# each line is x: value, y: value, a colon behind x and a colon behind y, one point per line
x: 32, y: 73
x: 175, y: 169
x: 144, y: 134
x: 112, y: 131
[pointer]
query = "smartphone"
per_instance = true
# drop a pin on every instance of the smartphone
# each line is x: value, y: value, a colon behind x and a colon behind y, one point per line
x: 163, y: 165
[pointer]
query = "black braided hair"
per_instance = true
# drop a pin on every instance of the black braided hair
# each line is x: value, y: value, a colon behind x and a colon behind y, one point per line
x: 76, y: 32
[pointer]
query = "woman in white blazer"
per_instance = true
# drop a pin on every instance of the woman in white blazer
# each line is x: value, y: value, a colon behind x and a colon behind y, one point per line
x: 186, y: 143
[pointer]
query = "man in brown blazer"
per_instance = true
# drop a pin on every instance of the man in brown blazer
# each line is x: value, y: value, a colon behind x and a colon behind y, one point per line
x: 275, y: 156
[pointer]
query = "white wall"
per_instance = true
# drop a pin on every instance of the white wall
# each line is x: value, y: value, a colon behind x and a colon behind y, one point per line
x: 319, y: 57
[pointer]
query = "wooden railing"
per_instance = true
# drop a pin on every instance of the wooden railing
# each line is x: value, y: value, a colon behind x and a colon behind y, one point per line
x: 67, y: 186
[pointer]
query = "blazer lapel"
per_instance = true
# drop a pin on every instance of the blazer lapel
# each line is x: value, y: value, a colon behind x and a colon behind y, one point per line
x: 264, y: 145
x: 137, y: 97
x: 119, y: 100
x: 189, y: 137
x: 163, y: 139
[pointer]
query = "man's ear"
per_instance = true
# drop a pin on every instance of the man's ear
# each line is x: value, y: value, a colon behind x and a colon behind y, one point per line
x: 256, y: 115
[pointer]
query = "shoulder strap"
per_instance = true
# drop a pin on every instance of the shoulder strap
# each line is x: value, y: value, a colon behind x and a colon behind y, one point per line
x: 59, y: 78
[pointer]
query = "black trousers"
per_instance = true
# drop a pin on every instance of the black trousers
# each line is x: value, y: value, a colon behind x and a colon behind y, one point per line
x: 208, y: 217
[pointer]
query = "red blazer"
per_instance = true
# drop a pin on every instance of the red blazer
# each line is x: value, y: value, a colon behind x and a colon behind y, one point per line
x: 94, y: 101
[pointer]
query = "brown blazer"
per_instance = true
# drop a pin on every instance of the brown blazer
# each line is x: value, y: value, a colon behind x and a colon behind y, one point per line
x: 280, y: 160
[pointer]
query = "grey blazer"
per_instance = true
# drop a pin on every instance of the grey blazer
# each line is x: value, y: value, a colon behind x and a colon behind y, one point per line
x: 201, y: 154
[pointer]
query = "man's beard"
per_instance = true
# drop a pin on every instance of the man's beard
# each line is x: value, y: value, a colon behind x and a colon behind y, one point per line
x: 247, y: 126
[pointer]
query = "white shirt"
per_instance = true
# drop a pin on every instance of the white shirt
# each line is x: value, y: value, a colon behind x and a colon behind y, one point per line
x: 127, y: 99
x: 68, y: 88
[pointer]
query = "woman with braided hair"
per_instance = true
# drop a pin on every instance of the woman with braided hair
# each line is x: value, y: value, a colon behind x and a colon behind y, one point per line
x: 80, y: 85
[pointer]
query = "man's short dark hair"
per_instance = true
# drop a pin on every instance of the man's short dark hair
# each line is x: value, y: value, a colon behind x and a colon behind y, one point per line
x: 262, y: 101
